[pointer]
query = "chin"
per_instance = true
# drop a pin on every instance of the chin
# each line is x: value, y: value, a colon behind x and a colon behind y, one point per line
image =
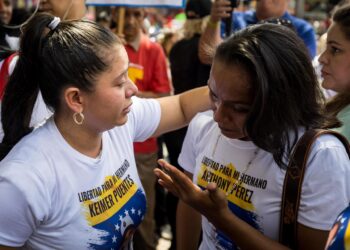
x: 122, y: 121
x: 233, y: 134
x: 328, y: 85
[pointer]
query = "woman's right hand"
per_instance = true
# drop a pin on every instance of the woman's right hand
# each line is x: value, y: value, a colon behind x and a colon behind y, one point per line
x: 210, y: 202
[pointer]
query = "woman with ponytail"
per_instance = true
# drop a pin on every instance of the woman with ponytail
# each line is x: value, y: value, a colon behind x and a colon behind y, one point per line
x: 72, y: 183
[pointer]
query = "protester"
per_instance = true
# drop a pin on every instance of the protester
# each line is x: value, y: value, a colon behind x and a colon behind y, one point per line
x: 72, y: 183
x: 335, y: 61
x: 265, y: 9
x: 65, y: 9
x: 335, y: 71
x: 237, y: 155
x: 8, y: 37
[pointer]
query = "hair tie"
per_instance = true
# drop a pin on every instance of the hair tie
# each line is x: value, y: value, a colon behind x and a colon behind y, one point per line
x: 55, y: 21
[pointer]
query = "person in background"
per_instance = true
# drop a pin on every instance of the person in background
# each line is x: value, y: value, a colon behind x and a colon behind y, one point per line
x: 235, y: 157
x: 8, y: 37
x: 65, y: 9
x: 73, y: 183
x: 148, y: 70
x: 104, y: 19
x: 335, y: 62
x: 265, y: 9
x: 322, y: 44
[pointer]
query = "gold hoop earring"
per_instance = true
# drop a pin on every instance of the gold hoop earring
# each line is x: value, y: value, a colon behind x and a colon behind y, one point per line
x: 78, y: 118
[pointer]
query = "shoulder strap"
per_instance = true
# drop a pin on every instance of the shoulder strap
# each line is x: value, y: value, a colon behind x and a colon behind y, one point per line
x: 293, y: 184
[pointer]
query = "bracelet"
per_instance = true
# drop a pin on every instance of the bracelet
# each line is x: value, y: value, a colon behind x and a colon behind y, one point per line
x: 212, y: 24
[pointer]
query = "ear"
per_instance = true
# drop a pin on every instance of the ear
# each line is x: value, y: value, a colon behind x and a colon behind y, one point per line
x: 74, y: 99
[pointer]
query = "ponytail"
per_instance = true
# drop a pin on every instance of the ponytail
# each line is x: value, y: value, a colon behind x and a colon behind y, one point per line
x: 22, y: 89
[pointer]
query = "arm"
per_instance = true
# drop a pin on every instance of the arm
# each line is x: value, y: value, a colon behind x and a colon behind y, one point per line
x: 213, y: 205
x: 188, y: 234
x: 178, y: 110
x: 211, y: 38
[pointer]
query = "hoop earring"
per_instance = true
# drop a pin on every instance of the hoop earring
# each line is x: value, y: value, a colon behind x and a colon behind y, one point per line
x: 78, y: 118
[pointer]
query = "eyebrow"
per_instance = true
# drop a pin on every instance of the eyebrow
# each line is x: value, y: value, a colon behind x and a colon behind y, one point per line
x: 229, y: 101
x: 333, y: 42
x: 122, y: 73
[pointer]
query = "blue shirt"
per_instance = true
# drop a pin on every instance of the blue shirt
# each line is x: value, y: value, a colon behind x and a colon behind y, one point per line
x: 302, y: 27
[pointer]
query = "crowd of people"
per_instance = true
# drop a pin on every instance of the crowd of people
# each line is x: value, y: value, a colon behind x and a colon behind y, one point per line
x: 86, y: 107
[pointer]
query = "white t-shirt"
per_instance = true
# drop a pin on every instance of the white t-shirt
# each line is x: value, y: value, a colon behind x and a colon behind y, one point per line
x: 53, y: 197
x: 212, y: 157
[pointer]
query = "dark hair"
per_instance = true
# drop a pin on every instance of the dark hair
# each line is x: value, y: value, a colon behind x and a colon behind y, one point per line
x: 342, y: 18
x: 286, y: 93
x: 72, y: 54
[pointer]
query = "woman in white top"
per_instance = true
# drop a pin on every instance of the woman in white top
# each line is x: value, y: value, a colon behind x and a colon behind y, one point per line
x: 264, y: 97
x: 72, y: 183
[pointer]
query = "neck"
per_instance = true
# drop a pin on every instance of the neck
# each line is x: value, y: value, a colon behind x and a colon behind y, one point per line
x: 78, y: 137
x: 135, y: 41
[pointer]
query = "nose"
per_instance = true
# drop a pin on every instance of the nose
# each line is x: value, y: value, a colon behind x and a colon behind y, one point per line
x: 219, y: 114
x: 131, y: 89
x: 323, y: 57
x: 129, y: 18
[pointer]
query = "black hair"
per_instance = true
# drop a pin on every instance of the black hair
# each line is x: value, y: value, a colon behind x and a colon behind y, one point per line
x: 72, y: 54
x: 342, y: 18
x: 286, y: 93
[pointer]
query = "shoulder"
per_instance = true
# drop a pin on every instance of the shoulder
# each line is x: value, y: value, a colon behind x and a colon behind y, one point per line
x: 202, y: 124
x: 28, y: 166
x: 344, y: 117
x: 298, y: 23
x: 345, y: 114
x: 148, y: 44
x: 34, y: 149
x: 329, y: 154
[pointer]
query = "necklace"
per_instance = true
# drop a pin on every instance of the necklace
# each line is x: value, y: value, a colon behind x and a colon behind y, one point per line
x: 239, y: 181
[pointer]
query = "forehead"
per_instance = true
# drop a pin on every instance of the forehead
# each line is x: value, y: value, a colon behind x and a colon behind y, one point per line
x: 119, y: 58
x: 229, y: 81
x: 335, y: 33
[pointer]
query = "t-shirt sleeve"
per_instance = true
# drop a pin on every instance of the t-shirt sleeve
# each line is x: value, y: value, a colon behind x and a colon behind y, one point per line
x: 23, y: 204
x: 144, y: 118
x: 325, y: 190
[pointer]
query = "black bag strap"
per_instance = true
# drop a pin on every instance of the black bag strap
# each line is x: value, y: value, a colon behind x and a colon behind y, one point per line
x: 293, y: 183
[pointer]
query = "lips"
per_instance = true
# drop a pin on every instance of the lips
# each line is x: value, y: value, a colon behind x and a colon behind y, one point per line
x: 128, y: 108
x: 324, y: 73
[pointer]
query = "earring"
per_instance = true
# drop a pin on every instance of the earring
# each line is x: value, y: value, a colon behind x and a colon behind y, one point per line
x: 78, y: 118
